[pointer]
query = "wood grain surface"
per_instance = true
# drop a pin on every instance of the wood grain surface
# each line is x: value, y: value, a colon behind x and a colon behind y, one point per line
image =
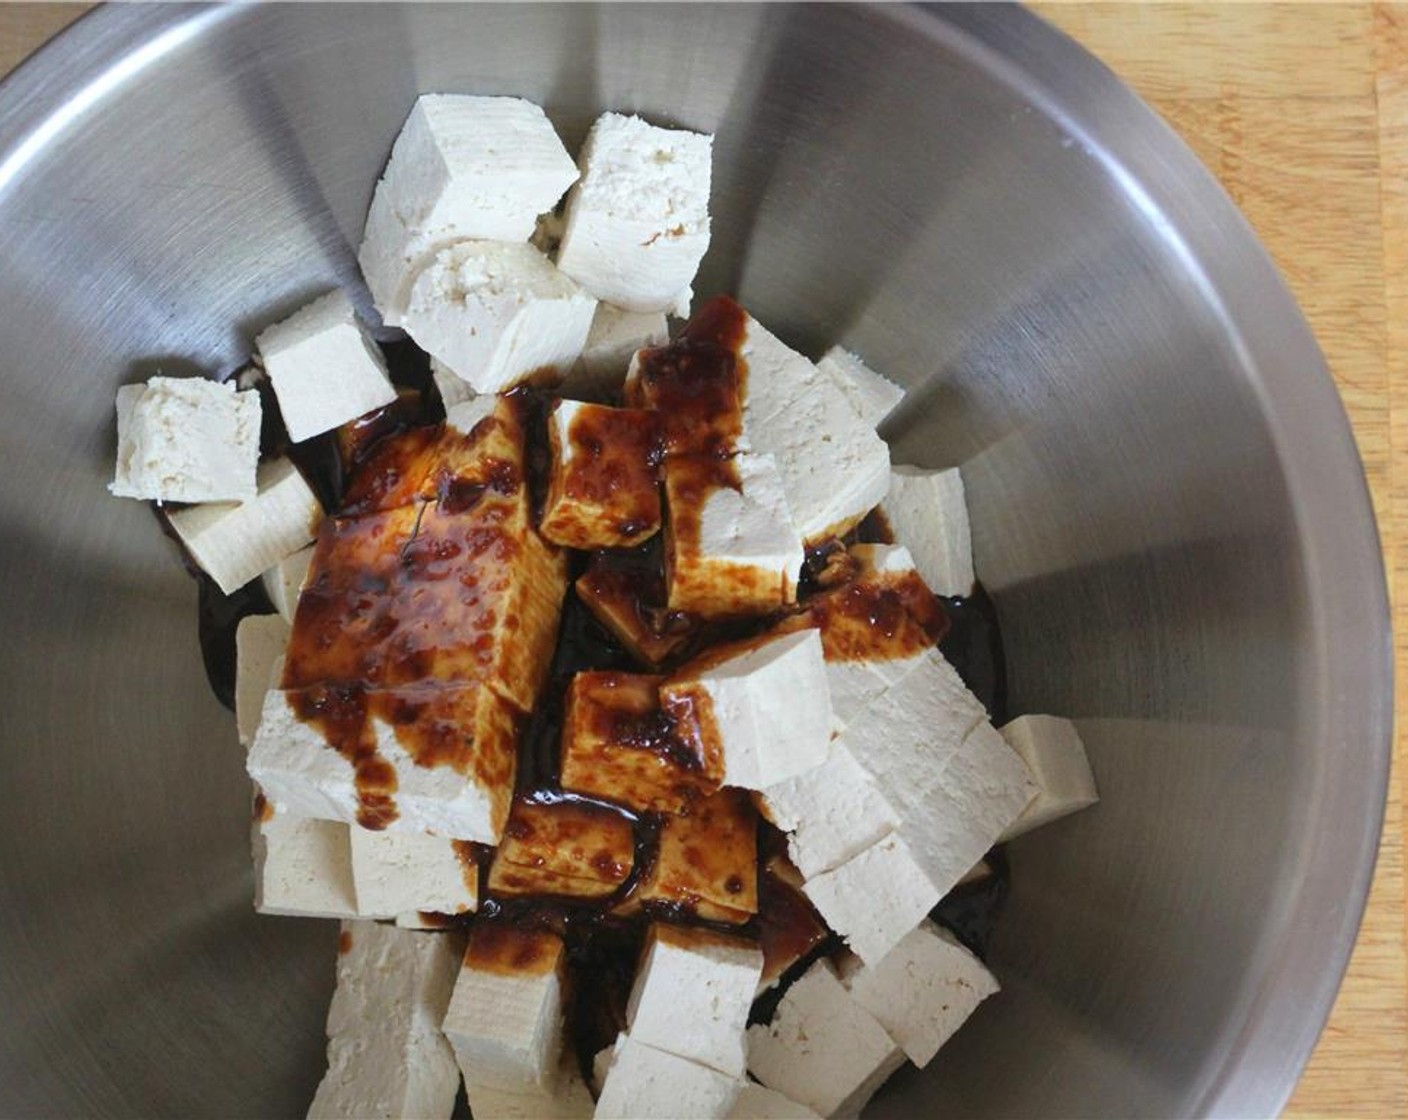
x: 1302, y: 112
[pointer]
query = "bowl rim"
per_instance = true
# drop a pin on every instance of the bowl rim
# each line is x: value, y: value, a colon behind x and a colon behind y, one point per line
x: 1268, y: 1042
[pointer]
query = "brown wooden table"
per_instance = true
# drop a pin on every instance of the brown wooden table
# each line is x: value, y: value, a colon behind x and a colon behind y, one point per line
x: 1302, y: 112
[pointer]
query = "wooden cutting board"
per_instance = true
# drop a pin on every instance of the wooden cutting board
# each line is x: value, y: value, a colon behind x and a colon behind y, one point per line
x: 1302, y: 112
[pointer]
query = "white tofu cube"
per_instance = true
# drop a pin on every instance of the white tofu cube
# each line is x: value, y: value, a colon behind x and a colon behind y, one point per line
x: 497, y: 313
x: 740, y: 553
x: 874, y: 899
x: 285, y: 580
x: 393, y: 980
x: 882, y: 559
x: 403, y: 873
x: 324, y: 367
x: 186, y: 439
x: 568, y: 1099
x: 643, y: 1083
x: 922, y: 991
x: 505, y: 1017
x: 615, y: 336
x: 293, y: 762
x: 822, y: 1048
x: 638, y: 220
x: 372, y: 1076
x: 750, y: 701
x: 301, y: 867
x: 462, y: 168
x: 386, y: 1055
x: 832, y: 812
x: 1055, y: 758
x: 758, y: 1102
x: 929, y: 514
x: 454, y: 389
x: 834, y: 468
x: 872, y: 396
x: 235, y: 543
x: 260, y: 641
x: 692, y: 995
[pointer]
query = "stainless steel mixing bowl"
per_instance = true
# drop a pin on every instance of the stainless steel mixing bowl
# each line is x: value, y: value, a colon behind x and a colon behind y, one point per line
x: 1167, y: 507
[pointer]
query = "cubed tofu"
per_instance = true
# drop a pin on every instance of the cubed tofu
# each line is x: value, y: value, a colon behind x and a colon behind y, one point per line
x: 283, y: 582
x: 604, y: 489
x: 235, y: 543
x: 758, y: 1102
x: 392, y: 980
x: 730, y: 545
x: 789, y: 929
x: 1055, y: 757
x: 929, y: 515
x: 463, y: 167
x: 302, y: 867
x: 372, y: 1076
x: 620, y: 746
x: 505, y: 1017
x: 615, y: 336
x: 834, y: 469
x: 822, y: 1048
x: 568, y: 1099
x: 922, y: 991
x: 831, y: 812
x: 453, y: 388
x: 563, y: 848
x: 692, y: 995
x: 638, y: 219
x: 872, y: 396
x: 463, y: 596
x: 399, y: 873
x: 417, y: 759
x: 643, y: 1083
x: 324, y: 367
x: 875, y: 898
x: 746, y: 699
x: 186, y: 439
x: 498, y: 313
x: 625, y: 591
x: 707, y: 861
x: 694, y: 384
x: 260, y: 641
x: 386, y: 1055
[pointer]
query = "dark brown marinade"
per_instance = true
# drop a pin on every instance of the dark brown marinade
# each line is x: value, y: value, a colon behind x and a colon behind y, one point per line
x: 971, y: 911
x: 973, y: 645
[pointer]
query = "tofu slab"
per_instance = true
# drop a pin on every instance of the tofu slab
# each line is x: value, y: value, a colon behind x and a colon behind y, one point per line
x: 1055, y: 757
x: 283, y: 582
x: 872, y: 396
x: 922, y: 991
x: 563, y: 848
x: 929, y: 514
x: 568, y: 1099
x: 692, y: 995
x: 324, y: 367
x: 399, y: 873
x: 260, y: 641
x: 453, y: 388
x: 463, y: 168
x: 505, y: 1017
x: 758, y: 1102
x: 619, y: 745
x: 822, y: 1048
x: 637, y: 222
x: 707, y: 861
x: 370, y: 1075
x: 748, y: 701
x: 604, y: 489
x: 625, y: 592
x: 235, y: 543
x: 418, y: 759
x: 643, y: 1083
x: 302, y: 867
x: 186, y: 439
x: 498, y: 313
x: 615, y: 335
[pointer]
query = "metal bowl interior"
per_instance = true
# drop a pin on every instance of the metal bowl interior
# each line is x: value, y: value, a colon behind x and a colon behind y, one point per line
x: 1167, y: 506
